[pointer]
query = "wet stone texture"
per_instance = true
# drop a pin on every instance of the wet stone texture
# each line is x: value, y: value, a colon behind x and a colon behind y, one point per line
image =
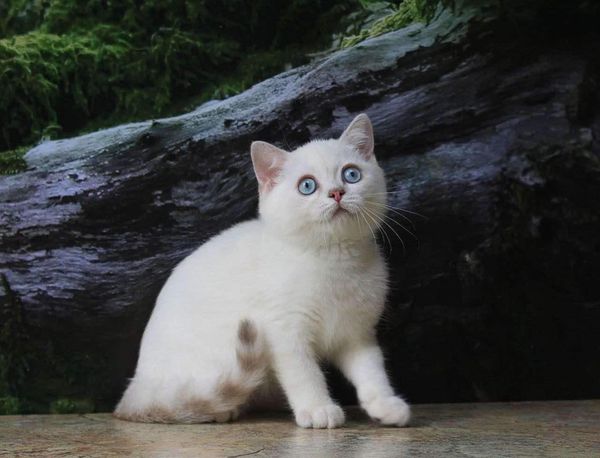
x: 493, y: 136
x: 554, y: 429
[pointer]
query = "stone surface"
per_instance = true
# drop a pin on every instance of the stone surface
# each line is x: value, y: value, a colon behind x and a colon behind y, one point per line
x: 491, y: 134
x: 554, y: 429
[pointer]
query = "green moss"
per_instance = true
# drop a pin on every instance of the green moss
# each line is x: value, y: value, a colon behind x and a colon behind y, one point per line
x: 68, y: 66
x: 66, y: 405
x: 253, y: 68
x: 396, y: 15
x: 406, y: 13
x: 59, y: 82
x: 41, y: 374
x: 549, y: 15
x: 14, y: 349
x: 96, y: 62
x: 12, y: 161
x: 9, y: 405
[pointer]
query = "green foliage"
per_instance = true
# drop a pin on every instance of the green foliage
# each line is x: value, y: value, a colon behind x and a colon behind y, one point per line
x: 70, y: 65
x: 21, y: 16
x: 44, y: 71
x: 12, y: 162
x: 67, y: 405
x: 541, y: 16
x: 406, y: 13
x: 35, y: 376
x: 93, y: 60
x: 14, y: 361
x: 62, y: 81
x: 251, y: 69
x: 9, y: 405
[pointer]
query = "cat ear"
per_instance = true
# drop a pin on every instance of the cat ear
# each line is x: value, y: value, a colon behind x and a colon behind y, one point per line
x: 359, y: 134
x: 267, y: 161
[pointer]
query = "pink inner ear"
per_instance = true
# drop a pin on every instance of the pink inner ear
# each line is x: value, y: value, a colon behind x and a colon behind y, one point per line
x: 359, y: 134
x: 268, y: 161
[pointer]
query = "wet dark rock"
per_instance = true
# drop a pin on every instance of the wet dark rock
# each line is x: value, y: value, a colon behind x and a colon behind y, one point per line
x: 493, y: 139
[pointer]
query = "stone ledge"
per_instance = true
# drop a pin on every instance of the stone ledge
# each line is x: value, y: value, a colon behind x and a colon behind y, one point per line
x: 558, y: 428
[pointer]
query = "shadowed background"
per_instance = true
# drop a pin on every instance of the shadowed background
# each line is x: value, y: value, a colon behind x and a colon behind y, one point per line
x: 486, y: 123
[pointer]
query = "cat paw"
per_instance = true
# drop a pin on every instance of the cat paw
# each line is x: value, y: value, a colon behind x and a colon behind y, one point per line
x: 390, y: 410
x: 326, y: 416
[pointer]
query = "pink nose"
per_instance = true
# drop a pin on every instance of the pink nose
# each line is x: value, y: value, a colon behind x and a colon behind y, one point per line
x: 337, y: 194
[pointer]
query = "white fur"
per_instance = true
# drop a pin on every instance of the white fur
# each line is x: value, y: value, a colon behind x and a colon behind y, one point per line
x: 312, y: 283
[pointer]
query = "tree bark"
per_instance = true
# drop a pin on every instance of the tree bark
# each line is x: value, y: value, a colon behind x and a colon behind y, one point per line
x: 491, y: 136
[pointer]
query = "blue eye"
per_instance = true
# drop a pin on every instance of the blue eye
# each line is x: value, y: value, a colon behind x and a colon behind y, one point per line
x: 307, y: 186
x: 351, y: 174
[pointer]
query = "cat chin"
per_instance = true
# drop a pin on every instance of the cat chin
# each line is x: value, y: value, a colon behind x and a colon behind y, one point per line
x: 344, y: 227
x: 340, y: 212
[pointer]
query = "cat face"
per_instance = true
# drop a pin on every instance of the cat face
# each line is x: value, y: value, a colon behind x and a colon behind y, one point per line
x: 325, y: 190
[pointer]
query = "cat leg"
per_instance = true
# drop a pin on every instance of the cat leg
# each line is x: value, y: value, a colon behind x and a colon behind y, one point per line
x: 304, y: 385
x: 362, y: 363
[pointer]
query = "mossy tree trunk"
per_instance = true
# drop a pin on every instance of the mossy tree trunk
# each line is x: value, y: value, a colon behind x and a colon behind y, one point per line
x: 493, y: 138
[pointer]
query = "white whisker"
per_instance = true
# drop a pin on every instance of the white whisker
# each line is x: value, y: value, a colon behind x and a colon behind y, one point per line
x: 368, y: 225
x: 394, y: 207
x: 382, y: 220
x: 388, y: 207
x: 386, y: 240
x: 402, y: 226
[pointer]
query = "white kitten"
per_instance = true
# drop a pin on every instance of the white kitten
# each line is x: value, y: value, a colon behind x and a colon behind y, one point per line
x: 259, y: 305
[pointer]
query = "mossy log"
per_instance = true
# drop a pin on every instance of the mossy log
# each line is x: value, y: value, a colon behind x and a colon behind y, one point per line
x: 493, y: 137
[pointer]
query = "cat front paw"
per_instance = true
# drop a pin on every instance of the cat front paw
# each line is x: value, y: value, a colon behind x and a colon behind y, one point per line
x: 325, y: 416
x: 390, y: 410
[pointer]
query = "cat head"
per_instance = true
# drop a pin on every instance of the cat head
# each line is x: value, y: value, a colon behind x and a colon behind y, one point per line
x: 326, y: 189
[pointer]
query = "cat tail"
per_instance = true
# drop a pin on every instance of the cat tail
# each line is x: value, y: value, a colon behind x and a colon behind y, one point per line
x: 230, y: 393
x: 251, y: 352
